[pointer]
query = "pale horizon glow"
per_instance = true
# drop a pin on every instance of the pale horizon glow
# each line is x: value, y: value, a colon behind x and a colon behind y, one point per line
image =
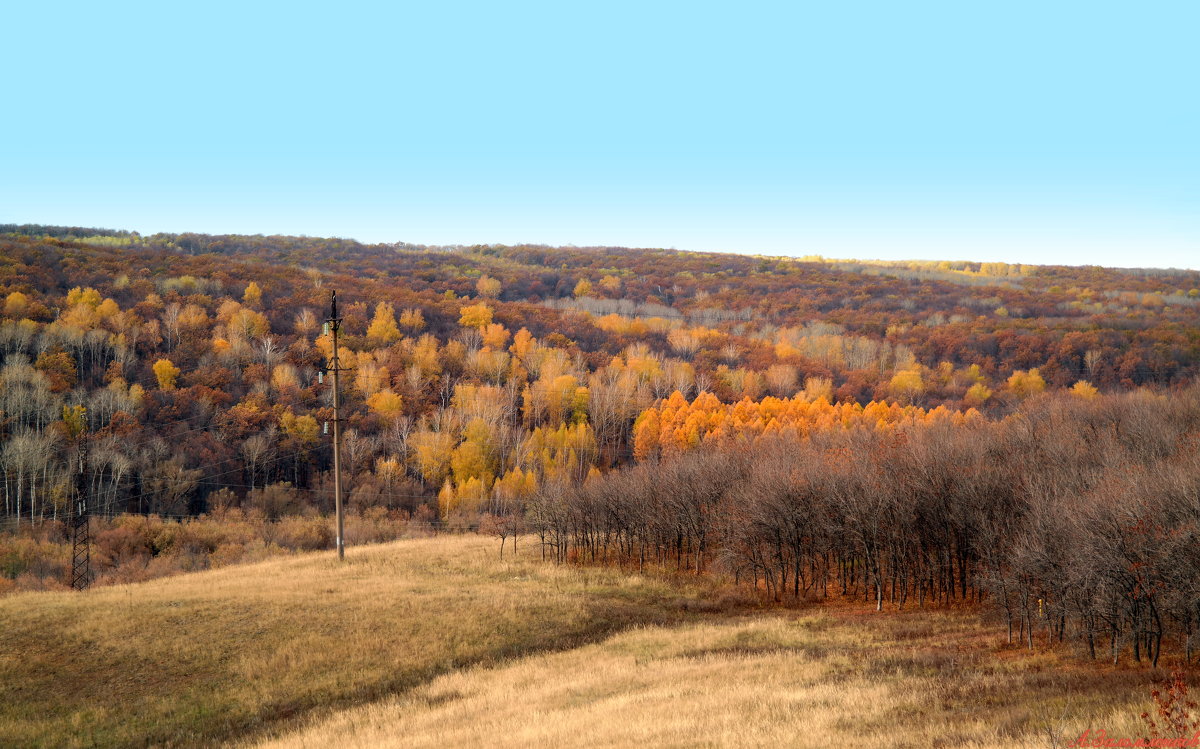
x: 1024, y: 134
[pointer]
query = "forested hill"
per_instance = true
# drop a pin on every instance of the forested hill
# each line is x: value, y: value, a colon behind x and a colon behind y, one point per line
x: 1000, y: 316
x: 486, y: 369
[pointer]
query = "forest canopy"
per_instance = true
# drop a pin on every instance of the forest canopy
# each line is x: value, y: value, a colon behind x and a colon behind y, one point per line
x: 478, y: 374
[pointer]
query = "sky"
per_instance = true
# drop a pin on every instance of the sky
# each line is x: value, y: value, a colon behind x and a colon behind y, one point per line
x: 1028, y: 132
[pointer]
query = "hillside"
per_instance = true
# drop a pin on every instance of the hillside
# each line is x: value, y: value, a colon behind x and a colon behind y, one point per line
x: 910, y: 433
x: 477, y: 374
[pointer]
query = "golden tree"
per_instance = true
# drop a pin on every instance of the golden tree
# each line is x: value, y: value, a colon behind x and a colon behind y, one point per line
x: 977, y: 394
x: 412, y: 319
x: 383, y: 329
x: 1023, y: 384
x: 475, y: 316
x: 253, y: 294
x: 16, y: 304
x: 166, y: 373
x: 906, y: 385
x: 387, y: 403
x: 1084, y: 389
x: 488, y: 287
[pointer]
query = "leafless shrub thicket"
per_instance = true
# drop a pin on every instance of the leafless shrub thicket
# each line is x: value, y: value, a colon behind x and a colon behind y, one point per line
x: 1075, y: 519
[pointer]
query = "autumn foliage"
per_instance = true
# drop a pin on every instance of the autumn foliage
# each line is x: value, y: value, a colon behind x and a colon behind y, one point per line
x: 477, y: 379
x: 678, y: 425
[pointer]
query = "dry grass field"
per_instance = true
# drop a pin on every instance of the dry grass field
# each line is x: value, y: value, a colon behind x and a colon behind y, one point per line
x: 202, y: 658
x: 438, y: 643
x: 806, y: 680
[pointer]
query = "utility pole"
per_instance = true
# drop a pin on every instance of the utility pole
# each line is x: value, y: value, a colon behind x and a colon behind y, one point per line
x: 81, y: 540
x: 333, y: 324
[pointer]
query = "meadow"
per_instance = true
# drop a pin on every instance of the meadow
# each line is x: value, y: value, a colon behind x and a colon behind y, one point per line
x: 203, y: 658
x: 809, y: 679
x: 438, y: 642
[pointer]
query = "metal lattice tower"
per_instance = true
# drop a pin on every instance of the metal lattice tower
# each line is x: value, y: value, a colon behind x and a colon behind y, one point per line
x: 81, y: 539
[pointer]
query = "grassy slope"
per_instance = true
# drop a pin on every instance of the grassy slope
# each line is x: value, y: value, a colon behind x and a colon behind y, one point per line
x: 200, y: 658
x: 818, y: 679
x: 437, y: 643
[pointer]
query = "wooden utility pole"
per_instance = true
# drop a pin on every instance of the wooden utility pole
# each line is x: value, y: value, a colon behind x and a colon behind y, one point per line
x: 334, y: 323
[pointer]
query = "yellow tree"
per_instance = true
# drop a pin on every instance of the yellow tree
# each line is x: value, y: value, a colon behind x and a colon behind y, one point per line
x: 470, y: 494
x: 425, y: 356
x: 303, y: 428
x: 383, y: 329
x: 475, y: 316
x: 82, y: 308
x: 412, y: 320
x: 523, y: 345
x: 906, y: 385
x: 973, y: 374
x: 431, y: 454
x: 495, y: 336
x: 248, y: 324
x: 816, y: 388
x: 166, y: 372
x: 88, y: 296
x: 1084, y: 389
x: 16, y: 304
x: 555, y: 399
x: 469, y: 461
x: 977, y: 395
x: 446, y: 499
x: 285, y: 377
x: 515, y: 486
x: 1023, y: 384
x: 387, y: 403
x: 389, y: 470
x: 253, y: 295
x: 646, y: 434
x: 488, y: 364
x: 475, y: 457
x: 371, y: 378
x: 488, y: 287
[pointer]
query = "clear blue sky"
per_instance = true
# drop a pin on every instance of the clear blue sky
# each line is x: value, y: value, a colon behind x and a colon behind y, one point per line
x: 1036, y: 132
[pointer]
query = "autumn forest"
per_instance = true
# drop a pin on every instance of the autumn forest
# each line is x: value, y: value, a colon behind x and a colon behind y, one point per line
x: 907, y: 433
